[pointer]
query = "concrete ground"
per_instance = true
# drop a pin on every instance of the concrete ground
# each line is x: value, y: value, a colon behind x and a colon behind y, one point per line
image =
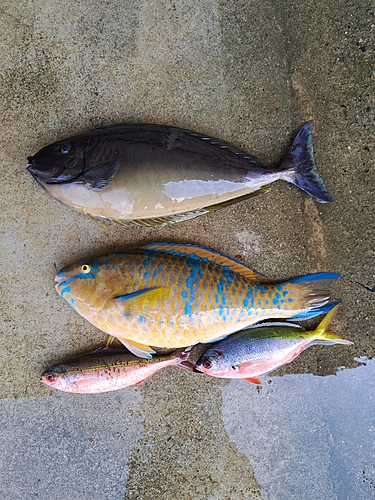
x: 250, y: 72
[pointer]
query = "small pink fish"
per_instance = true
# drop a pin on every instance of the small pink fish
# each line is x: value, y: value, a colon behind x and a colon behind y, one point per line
x: 109, y: 369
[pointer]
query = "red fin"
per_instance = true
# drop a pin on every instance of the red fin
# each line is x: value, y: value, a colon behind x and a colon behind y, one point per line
x: 253, y: 380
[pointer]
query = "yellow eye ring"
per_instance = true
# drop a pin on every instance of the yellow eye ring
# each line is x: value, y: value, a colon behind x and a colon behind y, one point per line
x: 85, y: 268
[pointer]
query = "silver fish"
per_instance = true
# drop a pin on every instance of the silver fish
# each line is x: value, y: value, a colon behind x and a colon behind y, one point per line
x: 154, y: 175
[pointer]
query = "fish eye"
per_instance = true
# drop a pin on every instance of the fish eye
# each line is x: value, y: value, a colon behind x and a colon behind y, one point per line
x: 235, y: 367
x: 50, y: 377
x: 207, y: 364
x: 65, y: 148
x: 85, y: 268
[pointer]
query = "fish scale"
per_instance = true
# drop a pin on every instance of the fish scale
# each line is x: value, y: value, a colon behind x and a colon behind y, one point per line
x: 173, y: 295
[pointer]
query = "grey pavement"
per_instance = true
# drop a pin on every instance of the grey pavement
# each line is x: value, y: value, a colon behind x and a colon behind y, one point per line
x: 251, y: 73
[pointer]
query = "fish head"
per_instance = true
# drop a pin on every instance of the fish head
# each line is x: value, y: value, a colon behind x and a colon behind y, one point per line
x: 214, y: 362
x: 86, y: 285
x: 56, y: 377
x: 60, y: 162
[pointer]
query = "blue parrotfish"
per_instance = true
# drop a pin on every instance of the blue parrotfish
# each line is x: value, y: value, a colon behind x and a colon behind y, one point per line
x: 173, y: 295
x: 155, y: 174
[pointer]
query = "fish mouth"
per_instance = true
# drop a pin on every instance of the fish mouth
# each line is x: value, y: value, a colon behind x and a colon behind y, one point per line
x: 59, y: 278
x: 30, y: 167
x: 60, y: 282
x: 37, y: 174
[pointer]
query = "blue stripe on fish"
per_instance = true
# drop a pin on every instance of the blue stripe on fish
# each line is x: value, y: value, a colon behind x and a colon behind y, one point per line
x: 65, y: 290
x: 315, y: 277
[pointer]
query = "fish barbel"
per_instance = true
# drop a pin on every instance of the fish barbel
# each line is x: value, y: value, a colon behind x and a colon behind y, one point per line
x: 108, y: 369
x: 173, y: 295
x: 263, y: 348
x: 154, y: 175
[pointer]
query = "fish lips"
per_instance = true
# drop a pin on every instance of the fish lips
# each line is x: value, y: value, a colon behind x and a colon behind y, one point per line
x: 46, y: 177
x: 39, y: 175
x: 61, y: 282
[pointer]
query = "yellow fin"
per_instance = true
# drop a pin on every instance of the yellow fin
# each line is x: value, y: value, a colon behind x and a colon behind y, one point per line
x: 97, y: 220
x: 110, y: 341
x: 139, y: 302
x: 323, y: 335
x: 207, y: 255
x: 324, y: 324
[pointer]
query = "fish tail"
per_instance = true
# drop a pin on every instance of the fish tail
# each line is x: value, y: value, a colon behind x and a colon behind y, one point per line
x: 180, y: 358
x: 300, y: 169
x: 310, y: 295
x: 322, y: 334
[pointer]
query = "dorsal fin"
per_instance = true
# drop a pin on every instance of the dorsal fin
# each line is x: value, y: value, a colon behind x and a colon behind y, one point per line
x: 207, y: 255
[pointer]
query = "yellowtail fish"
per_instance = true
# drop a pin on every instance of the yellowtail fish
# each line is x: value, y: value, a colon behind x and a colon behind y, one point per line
x: 108, y: 369
x: 154, y: 174
x: 173, y: 295
x: 263, y: 348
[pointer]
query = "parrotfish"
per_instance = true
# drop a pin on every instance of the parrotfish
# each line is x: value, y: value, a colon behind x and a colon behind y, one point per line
x: 109, y: 369
x: 154, y: 174
x: 173, y: 295
x: 263, y: 348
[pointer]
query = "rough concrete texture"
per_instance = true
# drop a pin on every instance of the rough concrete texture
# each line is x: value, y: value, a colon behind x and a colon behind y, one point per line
x: 249, y: 72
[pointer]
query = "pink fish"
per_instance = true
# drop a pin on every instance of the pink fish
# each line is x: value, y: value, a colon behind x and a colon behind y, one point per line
x: 109, y: 369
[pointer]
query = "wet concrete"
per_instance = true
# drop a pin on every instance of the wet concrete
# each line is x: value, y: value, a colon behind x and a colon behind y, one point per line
x: 248, y: 72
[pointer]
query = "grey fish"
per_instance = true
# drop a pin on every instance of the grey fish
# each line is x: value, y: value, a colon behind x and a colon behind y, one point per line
x: 154, y: 174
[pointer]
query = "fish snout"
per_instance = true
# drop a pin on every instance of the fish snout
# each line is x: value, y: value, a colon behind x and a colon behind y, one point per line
x: 60, y: 281
x: 31, y: 164
x: 60, y: 277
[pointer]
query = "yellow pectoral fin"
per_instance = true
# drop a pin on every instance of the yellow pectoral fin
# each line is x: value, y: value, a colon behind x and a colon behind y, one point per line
x: 144, y: 301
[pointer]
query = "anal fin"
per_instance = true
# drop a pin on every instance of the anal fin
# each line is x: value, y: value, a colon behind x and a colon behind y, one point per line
x: 253, y: 380
x: 175, y: 218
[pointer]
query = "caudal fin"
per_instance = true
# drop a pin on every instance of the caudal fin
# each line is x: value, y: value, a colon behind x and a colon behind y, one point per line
x: 300, y: 169
x: 322, y: 334
x: 310, y: 295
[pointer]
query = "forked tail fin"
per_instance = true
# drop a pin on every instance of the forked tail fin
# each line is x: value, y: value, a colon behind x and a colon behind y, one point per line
x: 322, y: 334
x: 310, y: 295
x: 300, y: 169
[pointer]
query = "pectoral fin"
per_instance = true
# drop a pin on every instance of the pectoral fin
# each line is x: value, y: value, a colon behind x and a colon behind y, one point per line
x: 140, y: 302
x: 98, y: 177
